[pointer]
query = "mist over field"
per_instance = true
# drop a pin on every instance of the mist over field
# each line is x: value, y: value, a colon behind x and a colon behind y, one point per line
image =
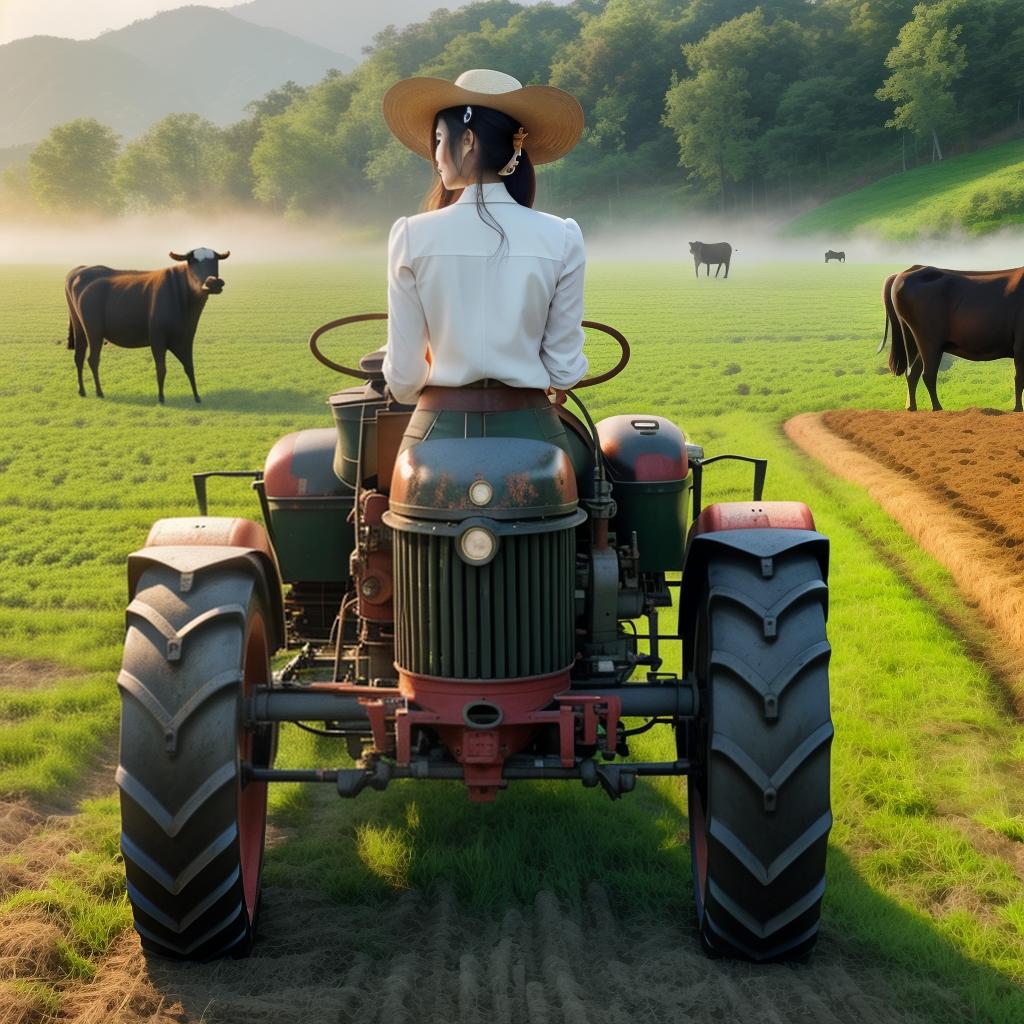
x: 759, y: 241
x: 143, y: 241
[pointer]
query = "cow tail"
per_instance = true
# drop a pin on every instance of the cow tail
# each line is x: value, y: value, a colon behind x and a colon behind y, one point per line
x: 898, y: 349
x: 71, y: 333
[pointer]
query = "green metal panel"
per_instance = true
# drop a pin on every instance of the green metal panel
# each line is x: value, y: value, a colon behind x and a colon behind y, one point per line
x: 658, y: 513
x: 309, y: 508
x: 509, y: 618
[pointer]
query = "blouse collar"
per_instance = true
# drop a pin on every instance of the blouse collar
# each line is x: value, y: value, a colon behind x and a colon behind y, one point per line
x: 494, y: 192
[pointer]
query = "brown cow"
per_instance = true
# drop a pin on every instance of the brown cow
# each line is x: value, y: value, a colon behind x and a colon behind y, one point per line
x: 136, y: 308
x: 973, y: 314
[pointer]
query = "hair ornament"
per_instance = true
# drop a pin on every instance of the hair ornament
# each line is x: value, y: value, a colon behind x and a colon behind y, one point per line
x: 467, y: 116
x: 517, y: 145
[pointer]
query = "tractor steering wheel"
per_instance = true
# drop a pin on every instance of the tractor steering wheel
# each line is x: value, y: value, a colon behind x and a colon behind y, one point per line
x: 362, y: 374
x: 359, y: 374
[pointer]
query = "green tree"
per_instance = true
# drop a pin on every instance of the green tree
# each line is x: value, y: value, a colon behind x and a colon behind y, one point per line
x: 72, y: 169
x: 525, y: 47
x: 925, y: 64
x: 418, y: 45
x: 179, y: 161
x: 808, y: 126
x: 277, y: 101
x: 990, y: 96
x: 238, y: 141
x: 706, y: 115
x: 296, y: 162
x: 619, y: 68
x: 773, y: 52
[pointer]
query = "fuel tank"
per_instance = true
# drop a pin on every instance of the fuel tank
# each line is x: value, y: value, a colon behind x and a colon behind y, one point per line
x: 647, y: 463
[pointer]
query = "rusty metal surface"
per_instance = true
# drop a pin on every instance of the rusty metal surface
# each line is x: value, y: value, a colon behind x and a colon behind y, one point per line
x: 761, y: 515
x: 528, y: 478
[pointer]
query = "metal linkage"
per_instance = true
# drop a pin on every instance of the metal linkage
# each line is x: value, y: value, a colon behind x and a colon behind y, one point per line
x: 615, y: 779
x: 672, y: 698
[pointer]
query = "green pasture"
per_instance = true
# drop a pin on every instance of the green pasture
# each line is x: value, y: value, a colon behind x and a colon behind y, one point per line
x: 977, y: 193
x: 928, y: 763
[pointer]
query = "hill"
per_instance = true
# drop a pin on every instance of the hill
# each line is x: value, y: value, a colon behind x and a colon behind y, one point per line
x: 976, y: 193
x: 195, y: 59
x: 343, y: 25
x: 45, y: 81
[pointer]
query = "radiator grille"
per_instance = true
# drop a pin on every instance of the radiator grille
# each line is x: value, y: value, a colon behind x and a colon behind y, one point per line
x: 513, y: 617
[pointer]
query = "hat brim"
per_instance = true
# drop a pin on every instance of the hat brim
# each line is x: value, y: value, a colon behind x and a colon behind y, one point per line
x: 552, y: 117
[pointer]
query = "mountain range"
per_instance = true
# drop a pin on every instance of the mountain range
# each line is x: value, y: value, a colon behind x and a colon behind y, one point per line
x: 343, y: 25
x: 193, y: 59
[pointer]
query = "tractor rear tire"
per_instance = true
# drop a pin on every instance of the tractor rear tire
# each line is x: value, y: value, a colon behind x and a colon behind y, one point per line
x: 759, y: 794
x: 192, y: 829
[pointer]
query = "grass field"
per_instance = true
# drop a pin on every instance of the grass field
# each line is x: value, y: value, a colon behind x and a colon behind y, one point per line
x: 977, y: 193
x: 925, y: 862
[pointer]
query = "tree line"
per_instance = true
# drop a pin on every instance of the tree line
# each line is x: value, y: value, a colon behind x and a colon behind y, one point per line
x: 740, y: 103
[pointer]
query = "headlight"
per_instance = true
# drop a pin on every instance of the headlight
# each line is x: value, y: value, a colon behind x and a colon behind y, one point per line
x: 481, y: 492
x: 478, y: 545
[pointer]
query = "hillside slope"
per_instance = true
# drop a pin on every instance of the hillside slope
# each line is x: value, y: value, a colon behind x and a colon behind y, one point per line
x: 343, y: 26
x: 194, y: 59
x: 977, y: 193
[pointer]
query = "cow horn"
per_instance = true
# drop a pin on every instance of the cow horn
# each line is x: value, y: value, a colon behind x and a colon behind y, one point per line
x: 222, y: 255
x: 178, y: 256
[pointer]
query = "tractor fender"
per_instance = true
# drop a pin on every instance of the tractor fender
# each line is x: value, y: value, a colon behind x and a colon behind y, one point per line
x: 198, y: 544
x: 765, y: 542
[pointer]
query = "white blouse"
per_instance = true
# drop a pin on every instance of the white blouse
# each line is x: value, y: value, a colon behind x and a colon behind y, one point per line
x: 511, y: 313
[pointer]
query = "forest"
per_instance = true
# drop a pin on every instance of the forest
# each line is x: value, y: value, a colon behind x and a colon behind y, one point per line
x: 736, y: 105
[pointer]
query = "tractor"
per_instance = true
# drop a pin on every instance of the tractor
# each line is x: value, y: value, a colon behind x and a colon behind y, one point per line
x: 478, y: 609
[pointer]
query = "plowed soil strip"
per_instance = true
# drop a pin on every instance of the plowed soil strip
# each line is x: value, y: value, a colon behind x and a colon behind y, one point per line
x: 953, y: 481
x: 424, y: 961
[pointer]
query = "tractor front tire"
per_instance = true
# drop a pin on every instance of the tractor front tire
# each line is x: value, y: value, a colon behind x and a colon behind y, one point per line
x: 759, y: 793
x: 192, y: 829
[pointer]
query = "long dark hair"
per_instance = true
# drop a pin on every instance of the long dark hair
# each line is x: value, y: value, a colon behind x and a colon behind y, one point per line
x: 493, y: 131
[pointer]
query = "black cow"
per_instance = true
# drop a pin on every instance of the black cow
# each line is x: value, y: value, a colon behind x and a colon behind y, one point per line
x: 136, y: 308
x: 832, y: 255
x: 711, y: 252
x: 973, y: 314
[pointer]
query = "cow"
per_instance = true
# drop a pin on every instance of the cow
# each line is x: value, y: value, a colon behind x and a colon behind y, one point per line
x: 711, y: 252
x: 832, y: 255
x: 973, y: 314
x: 136, y: 308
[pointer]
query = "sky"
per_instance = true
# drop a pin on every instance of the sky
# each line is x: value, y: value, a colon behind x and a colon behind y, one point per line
x: 81, y: 19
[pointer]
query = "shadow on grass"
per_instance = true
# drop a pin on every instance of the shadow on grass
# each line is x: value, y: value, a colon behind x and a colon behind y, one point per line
x: 418, y: 881
x: 274, y: 400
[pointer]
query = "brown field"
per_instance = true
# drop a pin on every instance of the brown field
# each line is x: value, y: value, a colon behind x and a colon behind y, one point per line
x: 955, y: 482
x: 426, y: 961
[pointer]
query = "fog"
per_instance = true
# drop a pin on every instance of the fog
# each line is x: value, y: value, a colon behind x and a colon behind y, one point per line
x: 144, y: 241
x: 761, y: 241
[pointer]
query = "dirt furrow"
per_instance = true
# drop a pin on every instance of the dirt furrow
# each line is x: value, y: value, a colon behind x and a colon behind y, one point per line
x: 538, y: 966
x: 906, y: 473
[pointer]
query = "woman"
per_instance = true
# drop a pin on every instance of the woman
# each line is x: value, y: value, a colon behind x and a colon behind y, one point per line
x: 485, y: 294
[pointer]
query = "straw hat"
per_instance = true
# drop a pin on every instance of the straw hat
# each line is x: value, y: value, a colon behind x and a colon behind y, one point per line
x: 552, y: 118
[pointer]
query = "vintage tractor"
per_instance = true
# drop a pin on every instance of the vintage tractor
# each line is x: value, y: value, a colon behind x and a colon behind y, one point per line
x: 476, y: 609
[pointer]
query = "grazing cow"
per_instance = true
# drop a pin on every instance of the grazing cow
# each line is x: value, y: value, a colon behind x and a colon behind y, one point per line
x: 973, y: 314
x: 831, y: 255
x: 136, y: 308
x: 711, y: 252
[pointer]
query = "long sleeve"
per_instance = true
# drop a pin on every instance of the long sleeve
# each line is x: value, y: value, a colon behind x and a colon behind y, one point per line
x: 562, y: 348
x: 405, y: 362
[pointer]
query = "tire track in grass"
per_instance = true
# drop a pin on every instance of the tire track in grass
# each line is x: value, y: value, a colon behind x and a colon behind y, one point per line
x: 549, y: 963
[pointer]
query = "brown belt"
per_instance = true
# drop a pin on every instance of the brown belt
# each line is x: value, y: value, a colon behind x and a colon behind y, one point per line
x: 482, y: 396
